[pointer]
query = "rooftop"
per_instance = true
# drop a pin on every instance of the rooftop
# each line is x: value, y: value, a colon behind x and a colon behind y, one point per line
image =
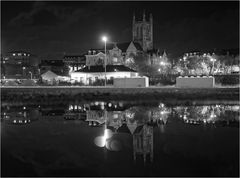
x: 109, y: 68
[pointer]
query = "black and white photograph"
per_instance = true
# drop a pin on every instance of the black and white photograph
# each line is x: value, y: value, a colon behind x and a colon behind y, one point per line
x: 119, y: 88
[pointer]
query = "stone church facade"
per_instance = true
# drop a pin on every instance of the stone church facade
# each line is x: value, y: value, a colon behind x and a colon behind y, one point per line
x: 142, y: 32
x: 141, y: 46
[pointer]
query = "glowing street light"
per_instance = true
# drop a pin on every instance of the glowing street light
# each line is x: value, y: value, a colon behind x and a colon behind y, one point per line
x: 162, y: 63
x: 104, y: 38
x: 213, y: 60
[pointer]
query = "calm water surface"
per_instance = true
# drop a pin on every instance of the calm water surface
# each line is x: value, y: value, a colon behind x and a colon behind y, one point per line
x: 119, y: 139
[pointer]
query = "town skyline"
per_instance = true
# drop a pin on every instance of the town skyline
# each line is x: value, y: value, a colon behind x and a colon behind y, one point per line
x: 55, y: 28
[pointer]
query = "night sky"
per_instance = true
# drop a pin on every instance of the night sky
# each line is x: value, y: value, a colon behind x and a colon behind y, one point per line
x: 53, y: 28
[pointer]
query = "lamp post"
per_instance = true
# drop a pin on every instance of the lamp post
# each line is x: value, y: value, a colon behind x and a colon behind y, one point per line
x: 213, y: 60
x: 30, y: 74
x: 23, y: 70
x: 104, y: 38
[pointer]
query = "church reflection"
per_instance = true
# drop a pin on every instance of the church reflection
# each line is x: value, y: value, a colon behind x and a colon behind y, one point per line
x: 116, y: 118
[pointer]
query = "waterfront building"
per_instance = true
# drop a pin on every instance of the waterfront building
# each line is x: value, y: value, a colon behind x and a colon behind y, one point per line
x: 56, y: 66
x: 19, y: 65
x: 89, y: 75
x: 74, y: 61
x: 50, y: 77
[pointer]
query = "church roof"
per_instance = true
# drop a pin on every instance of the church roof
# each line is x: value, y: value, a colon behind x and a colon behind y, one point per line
x: 138, y: 46
x: 109, y: 68
x: 124, y: 46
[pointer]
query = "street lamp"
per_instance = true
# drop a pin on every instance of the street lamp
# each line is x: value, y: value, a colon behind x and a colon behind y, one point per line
x: 162, y: 63
x: 213, y: 60
x: 104, y: 38
x: 23, y: 70
x: 30, y: 74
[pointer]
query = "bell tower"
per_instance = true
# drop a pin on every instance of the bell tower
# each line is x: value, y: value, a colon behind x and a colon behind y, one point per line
x: 142, y: 32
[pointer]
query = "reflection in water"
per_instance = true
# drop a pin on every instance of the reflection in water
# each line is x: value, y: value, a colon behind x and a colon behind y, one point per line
x: 143, y: 142
x: 119, y: 121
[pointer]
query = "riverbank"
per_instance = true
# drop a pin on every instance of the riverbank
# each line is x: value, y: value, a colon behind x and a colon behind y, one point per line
x: 106, y: 93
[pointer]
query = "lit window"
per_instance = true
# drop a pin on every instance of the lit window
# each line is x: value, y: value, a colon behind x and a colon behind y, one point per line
x: 115, y: 59
x: 115, y: 116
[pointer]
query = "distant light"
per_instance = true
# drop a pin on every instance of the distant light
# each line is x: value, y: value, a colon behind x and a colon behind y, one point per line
x: 14, y: 54
x: 24, y: 107
x: 162, y: 63
x: 121, y: 104
x: 161, y: 105
x: 213, y: 60
x: 104, y: 38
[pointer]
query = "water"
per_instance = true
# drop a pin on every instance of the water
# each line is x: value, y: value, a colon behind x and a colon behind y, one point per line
x: 119, y: 139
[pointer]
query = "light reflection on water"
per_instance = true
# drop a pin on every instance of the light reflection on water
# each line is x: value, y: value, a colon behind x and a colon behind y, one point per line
x: 76, y: 136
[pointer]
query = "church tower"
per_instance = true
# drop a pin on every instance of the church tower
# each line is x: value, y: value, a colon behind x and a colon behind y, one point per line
x: 142, y: 32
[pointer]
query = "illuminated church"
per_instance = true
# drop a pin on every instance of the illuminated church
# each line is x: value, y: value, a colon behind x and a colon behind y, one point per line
x: 121, y: 57
x: 142, y: 32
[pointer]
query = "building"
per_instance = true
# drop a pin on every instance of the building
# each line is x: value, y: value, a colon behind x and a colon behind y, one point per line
x: 56, y: 66
x: 142, y: 32
x: 74, y: 62
x: 89, y: 75
x: 19, y: 65
x: 129, y: 51
x: 114, y: 56
x: 51, y: 78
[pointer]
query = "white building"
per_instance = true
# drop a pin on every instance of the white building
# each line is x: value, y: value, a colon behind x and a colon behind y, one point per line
x: 90, y: 74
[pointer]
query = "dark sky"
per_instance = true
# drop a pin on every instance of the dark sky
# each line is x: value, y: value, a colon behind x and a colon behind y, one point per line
x: 73, y: 27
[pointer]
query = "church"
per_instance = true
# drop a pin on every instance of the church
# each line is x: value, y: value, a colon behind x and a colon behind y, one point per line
x: 122, y: 59
x: 142, y: 33
x: 125, y: 53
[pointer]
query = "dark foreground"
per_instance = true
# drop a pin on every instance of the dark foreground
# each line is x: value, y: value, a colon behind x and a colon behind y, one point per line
x: 119, y: 138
